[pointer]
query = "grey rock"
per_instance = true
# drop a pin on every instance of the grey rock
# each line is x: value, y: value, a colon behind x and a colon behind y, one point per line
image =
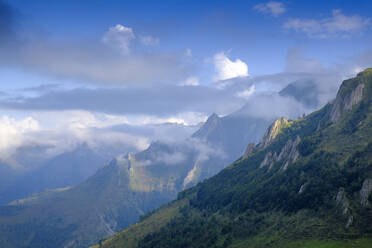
x: 287, y: 155
x: 289, y: 152
x: 365, y: 191
x: 342, y: 201
x: 272, y: 132
x: 302, y: 188
x: 269, y: 160
x: 346, y: 103
x: 349, y: 222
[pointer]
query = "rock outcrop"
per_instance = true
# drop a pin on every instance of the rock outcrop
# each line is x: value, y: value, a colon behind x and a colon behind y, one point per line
x: 269, y: 160
x: 345, y: 101
x: 342, y: 201
x: 349, y: 221
x: 344, y: 204
x: 289, y: 152
x: 287, y: 155
x: 273, y: 131
x: 365, y: 191
x: 192, y: 176
x: 302, y: 188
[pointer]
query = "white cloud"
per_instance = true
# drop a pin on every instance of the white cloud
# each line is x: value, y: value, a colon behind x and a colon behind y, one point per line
x: 273, y: 8
x: 191, y: 81
x: 337, y: 25
x: 62, y: 131
x: 184, y: 118
x: 55, y: 132
x: 246, y: 93
x: 119, y: 37
x: 149, y: 40
x: 14, y: 133
x: 75, y: 127
x: 227, y: 69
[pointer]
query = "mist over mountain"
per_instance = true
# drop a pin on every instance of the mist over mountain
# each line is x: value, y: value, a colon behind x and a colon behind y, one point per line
x: 300, y: 186
x: 132, y: 184
x: 120, y: 192
x: 211, y: 124
x: 67, y: 169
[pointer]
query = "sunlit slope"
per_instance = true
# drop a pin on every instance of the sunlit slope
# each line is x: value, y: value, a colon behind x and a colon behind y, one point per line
x: 307, y: 184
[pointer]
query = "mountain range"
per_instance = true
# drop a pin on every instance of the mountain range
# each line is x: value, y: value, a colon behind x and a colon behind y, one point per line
x: 66, y: 169
x: 120, y: 192
x: 73, y: 214
x: 308, y: 183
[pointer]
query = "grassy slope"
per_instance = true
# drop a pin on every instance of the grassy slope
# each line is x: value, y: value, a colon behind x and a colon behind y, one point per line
x: 245, y: 206
x: 136, y: 232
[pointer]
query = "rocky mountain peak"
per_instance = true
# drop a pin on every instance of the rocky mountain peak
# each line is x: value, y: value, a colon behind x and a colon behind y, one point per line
x: 272, y: 131
x: 351, y: 93
x: 211, y: 123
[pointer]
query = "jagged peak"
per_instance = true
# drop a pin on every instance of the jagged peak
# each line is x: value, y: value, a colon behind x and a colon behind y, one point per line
x: 272, y: 131
x: 212, y: 121
x: 351, y: 92
x: 212, y: 117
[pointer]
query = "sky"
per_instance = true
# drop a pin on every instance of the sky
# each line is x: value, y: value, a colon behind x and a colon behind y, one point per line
x: 156, y: 69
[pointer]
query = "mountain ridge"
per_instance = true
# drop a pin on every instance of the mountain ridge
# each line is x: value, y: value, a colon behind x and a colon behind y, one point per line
x: 321, y: 197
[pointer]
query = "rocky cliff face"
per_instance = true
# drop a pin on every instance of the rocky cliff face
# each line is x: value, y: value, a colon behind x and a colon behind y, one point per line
x: 346, y: 98
x: 365, y: 191
x: 273, y: 131
x: 288, y: 154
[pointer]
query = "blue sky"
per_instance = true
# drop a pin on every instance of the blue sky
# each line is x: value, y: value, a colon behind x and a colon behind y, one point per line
x: 206, y: 27
x: 96, y: 64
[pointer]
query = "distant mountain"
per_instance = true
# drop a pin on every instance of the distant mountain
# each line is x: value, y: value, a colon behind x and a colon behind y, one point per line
x: 308, y: 183
x: 119, y: 193
x: 232, y: 133
x: 130, y: 186
x: 304, y: 91
x: 115, y: 197
x: 66, y: 169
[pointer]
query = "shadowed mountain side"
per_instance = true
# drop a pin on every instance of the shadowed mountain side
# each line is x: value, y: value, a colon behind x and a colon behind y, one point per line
x: 66, y: 169
x: 307, y: 184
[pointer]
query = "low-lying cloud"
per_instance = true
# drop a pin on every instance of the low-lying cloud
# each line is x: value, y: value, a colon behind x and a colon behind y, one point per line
x: 53, y: 133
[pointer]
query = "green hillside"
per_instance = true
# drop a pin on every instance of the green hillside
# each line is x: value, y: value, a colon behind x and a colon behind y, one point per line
x: 307, y: 184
